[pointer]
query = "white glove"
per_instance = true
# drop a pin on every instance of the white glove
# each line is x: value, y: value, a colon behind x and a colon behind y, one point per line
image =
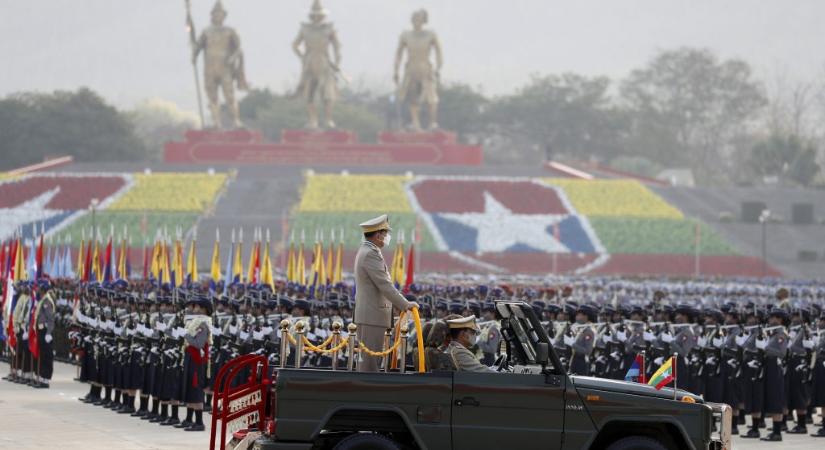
x: 702, y: 342
x: 667, y: 338
x: 154, y: 350
x: 648, y: 336
x: 658, y: 361
x: 569, y: 340
x: 616, y: 356
x: 753, y: 364
x: 718, y: 342
x: 741, y: 339
x: 732, y: 362
x: 761, y: 344
x: 800, y: 367
x: 621, y: 337
x: 711, y: 361
x: 48, y: 338
x: 808, y: 343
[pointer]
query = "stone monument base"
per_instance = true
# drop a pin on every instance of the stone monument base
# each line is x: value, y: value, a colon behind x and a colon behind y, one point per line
x: 329, y: 147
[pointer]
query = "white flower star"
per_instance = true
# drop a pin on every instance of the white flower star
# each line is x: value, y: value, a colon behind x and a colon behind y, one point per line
x: 33, y: 210
x: 499, y: 229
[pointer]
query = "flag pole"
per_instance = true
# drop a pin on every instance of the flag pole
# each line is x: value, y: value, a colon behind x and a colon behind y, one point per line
x: 675, y: 363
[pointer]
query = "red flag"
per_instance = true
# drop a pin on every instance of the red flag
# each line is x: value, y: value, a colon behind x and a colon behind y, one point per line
x: 39, y: 259
x: 87, y: 272
x: 410, y: 269
x: 34, y: 344
x: 107, y: 265
x: 3, y: 260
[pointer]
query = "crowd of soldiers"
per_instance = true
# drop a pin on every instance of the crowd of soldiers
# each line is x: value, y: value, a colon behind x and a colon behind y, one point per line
x: 759, y: 348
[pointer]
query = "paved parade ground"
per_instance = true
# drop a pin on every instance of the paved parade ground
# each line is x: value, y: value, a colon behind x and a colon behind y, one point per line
x: 53, y: 418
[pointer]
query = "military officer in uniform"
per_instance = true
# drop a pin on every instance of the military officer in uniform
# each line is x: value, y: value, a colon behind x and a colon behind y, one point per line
x: 463, y: 334
x: 375, y: 295
x: 44, y: 317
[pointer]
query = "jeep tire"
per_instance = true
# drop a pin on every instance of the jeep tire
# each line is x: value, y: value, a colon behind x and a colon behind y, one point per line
x: 637, y: 443
x: 366, y: 442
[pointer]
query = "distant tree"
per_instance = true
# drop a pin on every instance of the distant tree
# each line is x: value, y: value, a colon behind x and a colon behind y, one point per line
x: 461, y: 109
x: 36, y: 125
x: 271, y: 113
x: 158, y: 121
x: 561, y: 115
x: 686, y: 106
x: 785, y: 157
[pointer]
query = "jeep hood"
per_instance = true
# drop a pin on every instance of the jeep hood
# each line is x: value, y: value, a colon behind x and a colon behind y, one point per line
x: 626, y: 387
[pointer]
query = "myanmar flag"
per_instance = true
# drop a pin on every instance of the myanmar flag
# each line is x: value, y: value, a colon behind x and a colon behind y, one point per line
x: 664, y: 375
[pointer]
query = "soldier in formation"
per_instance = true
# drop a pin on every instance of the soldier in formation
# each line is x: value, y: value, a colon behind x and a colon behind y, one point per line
x: 150, y: 350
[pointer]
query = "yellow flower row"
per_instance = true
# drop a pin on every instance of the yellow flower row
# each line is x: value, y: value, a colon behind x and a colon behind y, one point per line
x: 341, y: 193
x: 171, y: 192
x: 615, y: 198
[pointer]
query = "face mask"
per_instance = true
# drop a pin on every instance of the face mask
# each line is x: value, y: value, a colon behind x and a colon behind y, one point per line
x: 387, y: 239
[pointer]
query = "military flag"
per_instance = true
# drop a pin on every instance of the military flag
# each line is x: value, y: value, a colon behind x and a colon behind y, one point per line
x: 266, y: 266
x: 237, y: 267
x: 290, y: 259
x: 192, y: 262
x: 410, y: 275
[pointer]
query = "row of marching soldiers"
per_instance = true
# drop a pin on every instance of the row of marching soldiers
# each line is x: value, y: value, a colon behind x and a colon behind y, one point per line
x: 151, y: 352
x: 762, y: 362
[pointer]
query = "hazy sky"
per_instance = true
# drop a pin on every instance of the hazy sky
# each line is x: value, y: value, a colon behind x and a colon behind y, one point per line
x: 130, y: 50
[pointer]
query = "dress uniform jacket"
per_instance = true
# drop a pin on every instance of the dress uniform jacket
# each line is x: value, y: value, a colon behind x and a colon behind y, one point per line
x: 464, y: 360
x: 375, y: 295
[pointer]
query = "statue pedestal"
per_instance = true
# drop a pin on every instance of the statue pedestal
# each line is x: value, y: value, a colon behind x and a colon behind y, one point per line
x: 329, y: 147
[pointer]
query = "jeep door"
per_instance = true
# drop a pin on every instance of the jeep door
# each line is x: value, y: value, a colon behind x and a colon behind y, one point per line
x: 507, y: 411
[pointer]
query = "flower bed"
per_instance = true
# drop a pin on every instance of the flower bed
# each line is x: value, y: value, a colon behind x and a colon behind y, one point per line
x: 74, y: 191
x: 325, y: 222
x: 615, y: 198
x: 190, y: 192
x: 657, y: 236
x: 134, y: 222
x: 366, y: 193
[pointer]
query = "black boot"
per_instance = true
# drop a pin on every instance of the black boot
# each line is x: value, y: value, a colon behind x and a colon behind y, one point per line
x: 128, y: 405
x: 154, y: 412
x: 820, y: 433
x: 142, y: 409
x: 160, y: 418
x: 198, y: 425
x: 173, y: 417
x: 800, y: 427
x: 187, y: 422
x: 776, y: 434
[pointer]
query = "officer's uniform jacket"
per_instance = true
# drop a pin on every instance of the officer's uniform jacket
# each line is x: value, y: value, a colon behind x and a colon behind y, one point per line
x: 464, y: 360
x: 375, y: 295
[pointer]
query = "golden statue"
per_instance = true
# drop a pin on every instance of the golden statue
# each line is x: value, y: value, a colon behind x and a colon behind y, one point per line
x: 420, y: 82
x: 223, y: 65
x: 318, y: 72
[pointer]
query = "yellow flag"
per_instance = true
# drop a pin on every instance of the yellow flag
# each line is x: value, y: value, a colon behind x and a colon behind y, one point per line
x: 96, y: 262
x: 215, y: 270
x: 290, y: 263
x: 19, y: 264
x: 321, y: 269
x: 81, y: 258
x: 330, y: 268
x: 192, y: 264
x: 339, y: 260
x: 301, y: 266
x: 266, y: 269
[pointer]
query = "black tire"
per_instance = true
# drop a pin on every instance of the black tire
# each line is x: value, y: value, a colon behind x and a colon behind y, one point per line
x: 366, y: 442
x: 637, y: 443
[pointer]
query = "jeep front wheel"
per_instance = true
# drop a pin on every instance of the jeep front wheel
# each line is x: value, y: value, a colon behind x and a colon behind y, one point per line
x: 637, y: 443
x: 366, y: 442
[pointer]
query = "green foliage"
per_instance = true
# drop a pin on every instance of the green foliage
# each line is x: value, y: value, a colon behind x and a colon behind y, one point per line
x: 157, y: 122
x: 34, y: 126
x: 461, y: 109
x: 568, y: 114
x: 785, y: 157
x: 271, y: 113
x: 686, y: 106
x: 657, y: 236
